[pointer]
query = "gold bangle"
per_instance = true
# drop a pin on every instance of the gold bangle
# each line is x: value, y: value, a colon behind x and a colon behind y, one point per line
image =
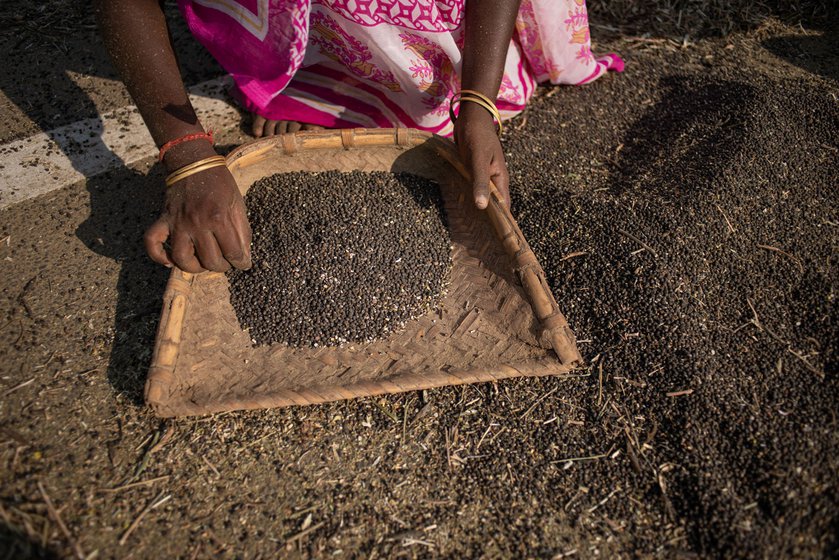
x: 479, y: 99
x: 479, y: 95
x: 490, y: 108
x: 195, y: 164
x: 193, y: 168
x: 476, y: 97
x: 172, y: 179
x: 481, y: 102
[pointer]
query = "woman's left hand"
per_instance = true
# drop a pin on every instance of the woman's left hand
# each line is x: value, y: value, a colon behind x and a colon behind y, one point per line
x: 480, y: 150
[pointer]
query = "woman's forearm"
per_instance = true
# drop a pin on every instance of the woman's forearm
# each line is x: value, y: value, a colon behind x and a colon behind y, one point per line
x: 137, y: 38
x: 489, y: 27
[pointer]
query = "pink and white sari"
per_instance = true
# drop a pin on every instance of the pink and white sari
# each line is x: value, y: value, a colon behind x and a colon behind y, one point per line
x: 382, y: 63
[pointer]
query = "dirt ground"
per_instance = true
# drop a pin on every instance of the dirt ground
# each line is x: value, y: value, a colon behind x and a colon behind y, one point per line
x: 687, y: 215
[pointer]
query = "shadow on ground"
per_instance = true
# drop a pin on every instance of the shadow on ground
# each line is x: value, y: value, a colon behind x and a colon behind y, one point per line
x: 671, y: 150
x: 122, y: 204
x: 13, y: 544
x: 59, y: 73
x: 816, y: 54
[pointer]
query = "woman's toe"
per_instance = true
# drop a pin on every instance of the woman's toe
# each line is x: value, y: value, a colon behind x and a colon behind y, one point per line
x: 258, y: 126
x: 262, y: 127
x: 271, y: 127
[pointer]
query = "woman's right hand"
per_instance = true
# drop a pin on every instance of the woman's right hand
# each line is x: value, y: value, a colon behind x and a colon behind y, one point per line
x: 204, y: 216
x: 204, y: 219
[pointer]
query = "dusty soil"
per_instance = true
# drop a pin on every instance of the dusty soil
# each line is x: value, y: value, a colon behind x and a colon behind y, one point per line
x: 687, y: 214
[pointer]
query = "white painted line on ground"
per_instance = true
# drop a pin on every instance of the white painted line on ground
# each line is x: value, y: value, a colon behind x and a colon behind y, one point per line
x: 51, y: 160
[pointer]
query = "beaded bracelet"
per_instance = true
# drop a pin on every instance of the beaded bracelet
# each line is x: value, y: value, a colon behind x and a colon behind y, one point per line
x: 208, y: 136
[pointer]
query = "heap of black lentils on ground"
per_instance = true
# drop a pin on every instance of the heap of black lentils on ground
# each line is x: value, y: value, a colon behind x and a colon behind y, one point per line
x: 340, y: 257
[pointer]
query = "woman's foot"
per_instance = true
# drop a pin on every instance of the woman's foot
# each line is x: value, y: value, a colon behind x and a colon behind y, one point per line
x: 265, y: 127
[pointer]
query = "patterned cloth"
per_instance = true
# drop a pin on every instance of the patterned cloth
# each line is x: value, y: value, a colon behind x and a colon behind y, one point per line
x: 382, y: 63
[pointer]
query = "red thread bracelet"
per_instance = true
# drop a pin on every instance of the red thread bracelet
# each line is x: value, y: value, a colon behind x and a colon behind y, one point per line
x: 208, y: 136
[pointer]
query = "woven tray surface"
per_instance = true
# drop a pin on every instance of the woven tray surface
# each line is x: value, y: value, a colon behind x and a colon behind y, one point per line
x: 483, y: 330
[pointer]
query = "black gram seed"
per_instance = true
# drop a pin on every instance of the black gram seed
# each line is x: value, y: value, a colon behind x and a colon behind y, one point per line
x: 340, y: 257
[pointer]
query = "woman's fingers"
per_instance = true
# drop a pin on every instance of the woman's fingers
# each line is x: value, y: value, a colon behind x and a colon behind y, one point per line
x: 235, y: 243
x: 242, y: 228
x: 501, y: 178
x: 209, y: 253
x: 183, y: 253
x: 154, y: 238
x: 293, y: 126
x: 480, y: 179
x: 206, y: 250
x: 232, y: 251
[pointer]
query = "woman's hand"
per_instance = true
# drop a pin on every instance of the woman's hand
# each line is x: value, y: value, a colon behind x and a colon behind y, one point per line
x: 204, y: 216
x: 480, y: 150
x: 489, y: 27
x: 205, y: 221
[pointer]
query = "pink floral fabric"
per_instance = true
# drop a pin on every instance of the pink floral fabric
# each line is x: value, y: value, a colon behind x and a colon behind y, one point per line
x: 382, y: 63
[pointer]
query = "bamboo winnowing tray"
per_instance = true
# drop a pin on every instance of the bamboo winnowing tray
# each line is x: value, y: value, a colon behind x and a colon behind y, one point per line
x: 497, y: 319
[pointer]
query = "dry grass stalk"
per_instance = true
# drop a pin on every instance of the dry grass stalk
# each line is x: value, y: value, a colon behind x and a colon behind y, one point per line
x: 54, y: 515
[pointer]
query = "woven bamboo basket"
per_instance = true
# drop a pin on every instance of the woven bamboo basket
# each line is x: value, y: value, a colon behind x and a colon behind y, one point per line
x: 497, y: 320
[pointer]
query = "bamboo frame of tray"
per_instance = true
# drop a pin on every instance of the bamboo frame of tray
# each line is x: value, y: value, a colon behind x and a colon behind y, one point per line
x: 555, y: 330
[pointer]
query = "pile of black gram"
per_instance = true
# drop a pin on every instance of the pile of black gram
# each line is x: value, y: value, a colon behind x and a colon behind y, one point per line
x: 340, y: 257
